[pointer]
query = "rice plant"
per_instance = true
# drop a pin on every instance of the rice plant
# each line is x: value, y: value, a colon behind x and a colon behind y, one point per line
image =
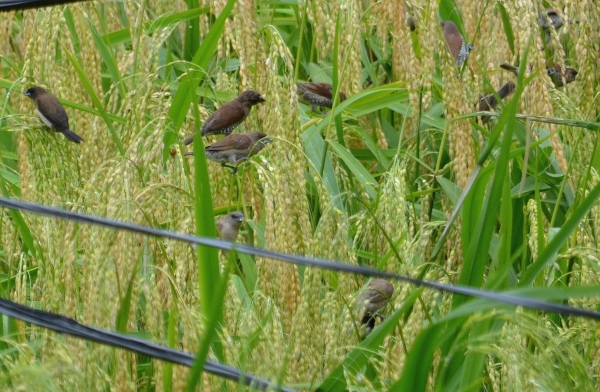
x: 405, y: 175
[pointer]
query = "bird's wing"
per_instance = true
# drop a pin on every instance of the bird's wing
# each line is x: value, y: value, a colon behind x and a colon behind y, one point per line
x: 510, y: 68
x: 239, y: 142
x: 322, y: 89
x: 219, y: 225
x: 227, y: 115
x: 57, y: 115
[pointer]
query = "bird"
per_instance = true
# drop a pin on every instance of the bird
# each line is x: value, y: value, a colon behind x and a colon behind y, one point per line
x: 229, y: 225
x: 552, y: 16
x: 235, y: 148
x: 229, y: 116
x: 489, y: 102
x: 411, y: 21
x: 558, y: 77
x: 52, y: 112
x: 555, y: 20
x: 456, y: 43
x: 374, y: 298
x: 376, y: 295
x: 318, y: 94
x: 555, y: 72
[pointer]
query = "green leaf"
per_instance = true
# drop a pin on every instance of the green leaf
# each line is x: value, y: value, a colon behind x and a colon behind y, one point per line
x: 548, y: 255
x: 109, y: 60
x: 451, y: 190
x: 508, y: 30
x: 212, y: 286
x: 362, y: 175
x: 87, y: 84
x: 124, y: 36
x: 314, y: 148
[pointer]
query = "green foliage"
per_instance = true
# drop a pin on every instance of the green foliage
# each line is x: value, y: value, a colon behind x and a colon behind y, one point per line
x: 516, y: 224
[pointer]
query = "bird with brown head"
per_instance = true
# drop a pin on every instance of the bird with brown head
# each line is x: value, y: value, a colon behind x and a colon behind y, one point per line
x: 235, y: 148
x: 229, y: 225
x: 230, y: 115
x: 456, y: 43
x: 372, y: 299
x: 51, y: 112
x: 490, y: 102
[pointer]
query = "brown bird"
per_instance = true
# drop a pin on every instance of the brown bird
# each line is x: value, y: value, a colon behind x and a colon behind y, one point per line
x: 555, y: 72
x: 555, y: 20
x: 412, y: 23
x: 375, y: 297
x: 456, y: 43
x: 489, y: 102
x: 552, y: 16
x: 558, y: 77
x: 318, y: 94
x: 229, y: 225
x: 52, y: 112
x: 230, y: 115
x: 236, y: 148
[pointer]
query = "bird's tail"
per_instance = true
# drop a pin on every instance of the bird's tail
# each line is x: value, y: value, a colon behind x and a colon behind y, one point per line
x: 510, y: 68
x: 72, y: 136
x: 188, y: 140
x: 506, y: 90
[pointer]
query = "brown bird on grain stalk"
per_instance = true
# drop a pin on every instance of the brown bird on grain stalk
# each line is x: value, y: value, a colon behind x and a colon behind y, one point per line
x: 555, y: 20
x: 318, y: 94
x: 456, y: 43
x: 229, y: 225
x: 489, y: 102
x: 375, y: 297
x: 52, y: 112
x: 559, y: 78
x: 235, y: 148
x: 229, y: 116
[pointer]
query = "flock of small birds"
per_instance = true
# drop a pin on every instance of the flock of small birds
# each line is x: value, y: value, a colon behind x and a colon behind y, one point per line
x: 236, y: 148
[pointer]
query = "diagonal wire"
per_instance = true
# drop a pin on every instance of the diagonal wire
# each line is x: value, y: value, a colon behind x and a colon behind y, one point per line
x: 296, y: 259
x: 71, y: 327
x: 10, y: 5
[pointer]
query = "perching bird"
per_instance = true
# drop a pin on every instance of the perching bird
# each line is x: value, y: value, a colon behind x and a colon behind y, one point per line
x: 236, y: 148
x: 558, y: 77
x: 411, y: 21
x: 229, y: 225
x: 552, y: 16
x: 456, y: 43
x: 554, y: 19
x: 230, y: 115
x: 318, y: 94
x: 555, y: 72
x: 376, y: 296
x: 489, y: 102
x: 373, y: 299
x: 52, y: 112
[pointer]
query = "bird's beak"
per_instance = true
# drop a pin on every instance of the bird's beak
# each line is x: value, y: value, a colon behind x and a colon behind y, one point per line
x: 26, y: 94
x: 261, y: 99
x: 267, y: 140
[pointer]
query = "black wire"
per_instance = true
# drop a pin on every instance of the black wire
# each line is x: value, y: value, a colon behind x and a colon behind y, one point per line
x: 73, y: 328
x: 12, y: 5
x: 307, y: 261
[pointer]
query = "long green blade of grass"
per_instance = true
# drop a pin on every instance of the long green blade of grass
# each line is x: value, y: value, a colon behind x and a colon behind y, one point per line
x: 97, y: 103
x: 208, y: 262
